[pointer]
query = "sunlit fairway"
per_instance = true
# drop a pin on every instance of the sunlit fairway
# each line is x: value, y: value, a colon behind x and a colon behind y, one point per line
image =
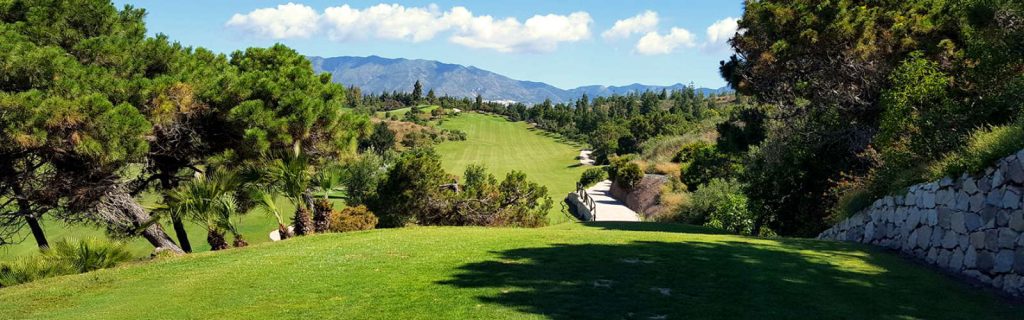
x: 402, y: 111
x: 568, y: 271
x: 504, y: 146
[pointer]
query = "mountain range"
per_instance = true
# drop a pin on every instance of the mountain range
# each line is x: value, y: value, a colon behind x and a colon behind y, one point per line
x: 375, y: 74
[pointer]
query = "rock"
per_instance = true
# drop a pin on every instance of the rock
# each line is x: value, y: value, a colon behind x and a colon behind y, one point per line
x: 1018, y: 261
x: 1004, y: 261
x: 945, y: 182
x: 928, y: 200
x: 1017, y: 220
x: 1007, y: 238
x: 869, y: 232
x: 944, y: 215
x: 945, y: 197
x: 914, y: 218
x: 997, y: 281
x: 977, y: 239
x: 956, y: 260
x: 956, y: 222
x: 998, y: 178
x: 1002, y: 218
x: 930, y: 217
x: 924, y: 237
x: 943, y: 258
x: 971, y: 258
x: 994, y: 198
x: 1011, y: 198
x: 977, y: 202
x: 963, y: 201
x: 933, y: 255
x: 988, y: 217
x: 1015, y: 171
x: 992, y: 239
x: 986, y: 261
x: 970, y: 186
x: 985, y: 182
x: 971, y: 221
x: 949, y: 240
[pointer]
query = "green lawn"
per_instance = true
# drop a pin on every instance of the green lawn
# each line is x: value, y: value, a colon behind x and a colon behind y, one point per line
x: 504, y: 146
x: 402, y: 111
x: 568, y: 271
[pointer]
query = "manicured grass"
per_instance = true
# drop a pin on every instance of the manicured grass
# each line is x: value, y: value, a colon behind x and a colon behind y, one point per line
x: 568, y: 271
x: 402, y: 111
x: 504, y: 146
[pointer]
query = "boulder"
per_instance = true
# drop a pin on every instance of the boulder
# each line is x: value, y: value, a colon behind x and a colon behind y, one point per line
x: 956, y: 260
x: 986, y: 261
x: 1017, y: 220
x: 977, y: 201
x: 1018, y: 261
x: 1007, y: 238
x: 970, y: 186
x: 1015, y: 171
x: 992, y: 239
x: 957, y: 222
x: 977, y: 239
x: 971, y: 258
x: 924, y: 237
x: 971, y: 221
x: 949, y: 240
x: 1003, y: 261
x: 1011, y: 198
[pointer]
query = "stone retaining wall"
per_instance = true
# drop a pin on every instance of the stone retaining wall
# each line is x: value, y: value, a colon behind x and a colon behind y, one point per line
x: 973, y: 225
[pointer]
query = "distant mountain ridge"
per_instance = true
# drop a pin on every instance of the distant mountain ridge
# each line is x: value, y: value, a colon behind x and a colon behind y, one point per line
x: 376, y: 74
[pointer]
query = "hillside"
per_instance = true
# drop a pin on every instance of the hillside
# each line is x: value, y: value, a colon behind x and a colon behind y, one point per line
x: 569, y: 271
x: 375, y: 74
x: 504, y: 146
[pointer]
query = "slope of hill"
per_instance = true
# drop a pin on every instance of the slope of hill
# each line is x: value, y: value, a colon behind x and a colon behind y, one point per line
x: 569, y: 271
x: 376, y: 74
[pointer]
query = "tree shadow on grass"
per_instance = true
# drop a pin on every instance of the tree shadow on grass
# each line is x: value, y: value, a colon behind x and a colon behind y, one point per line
x: 654, y: 227
x: 719, y: 280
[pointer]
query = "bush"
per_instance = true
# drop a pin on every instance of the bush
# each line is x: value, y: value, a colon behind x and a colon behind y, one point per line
x: 720, y: 204
x: 352, y: 219
x: 984, y: 147
x: 592, y: 176
x: 629, y: 175
x: 64, y: 257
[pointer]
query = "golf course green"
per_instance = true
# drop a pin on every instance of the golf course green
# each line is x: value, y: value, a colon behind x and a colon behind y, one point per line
x: 503, y: 146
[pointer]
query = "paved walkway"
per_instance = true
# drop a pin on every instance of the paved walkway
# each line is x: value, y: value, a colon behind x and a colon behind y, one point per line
x: 608, y: 208
x: 585, y: 158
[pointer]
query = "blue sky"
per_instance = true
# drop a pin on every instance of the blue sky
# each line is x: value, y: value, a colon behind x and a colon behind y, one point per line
x: 564, y: 43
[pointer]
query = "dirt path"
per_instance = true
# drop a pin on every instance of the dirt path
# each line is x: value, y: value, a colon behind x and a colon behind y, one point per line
x: 608, y: 208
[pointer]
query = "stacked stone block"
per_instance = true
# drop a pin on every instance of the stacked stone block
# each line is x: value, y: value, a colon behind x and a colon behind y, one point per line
x: 973, y: 225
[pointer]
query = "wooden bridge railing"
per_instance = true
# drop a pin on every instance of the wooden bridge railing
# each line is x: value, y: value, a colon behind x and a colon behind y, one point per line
x: 587, y: 200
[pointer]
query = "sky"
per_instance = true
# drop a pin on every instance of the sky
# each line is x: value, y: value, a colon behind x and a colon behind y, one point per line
x: 563, y: 43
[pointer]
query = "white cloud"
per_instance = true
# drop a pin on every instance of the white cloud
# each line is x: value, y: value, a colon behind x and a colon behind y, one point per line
x: 540, y: 33
x: 286, y: 21
x: 641, y: 23
x: 653, y: 43
x: 722, y: 30
x: 384, y: 21
x: 537, y: 34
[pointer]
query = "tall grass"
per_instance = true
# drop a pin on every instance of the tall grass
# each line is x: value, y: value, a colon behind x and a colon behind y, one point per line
x: 64, y: 257
x: 984, y: 147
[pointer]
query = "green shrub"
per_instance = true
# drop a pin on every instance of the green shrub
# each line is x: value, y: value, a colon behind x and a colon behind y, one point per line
x: 64, y: 257
x: 629, y: 175
x: 984, y: 147
x: 592, y: 176
x: 352, y: 219
x: 720, y: 204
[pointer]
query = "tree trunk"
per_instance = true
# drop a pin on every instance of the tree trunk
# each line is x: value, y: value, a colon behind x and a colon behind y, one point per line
x: 25, y: 210
x: 182, y: 235
x: 121, y: 208
x: 37, y: 232
x: 179, y: 226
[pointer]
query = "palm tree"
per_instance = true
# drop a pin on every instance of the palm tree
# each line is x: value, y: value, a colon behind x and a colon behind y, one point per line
x: 327, y: 179
x: 292, y: 177
x: 210, y: 199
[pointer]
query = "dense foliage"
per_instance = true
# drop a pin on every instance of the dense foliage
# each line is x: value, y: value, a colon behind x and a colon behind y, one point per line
x: 864, y: 95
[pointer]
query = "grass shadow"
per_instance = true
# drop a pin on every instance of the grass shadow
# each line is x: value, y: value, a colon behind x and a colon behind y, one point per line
x: 718, y: 280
